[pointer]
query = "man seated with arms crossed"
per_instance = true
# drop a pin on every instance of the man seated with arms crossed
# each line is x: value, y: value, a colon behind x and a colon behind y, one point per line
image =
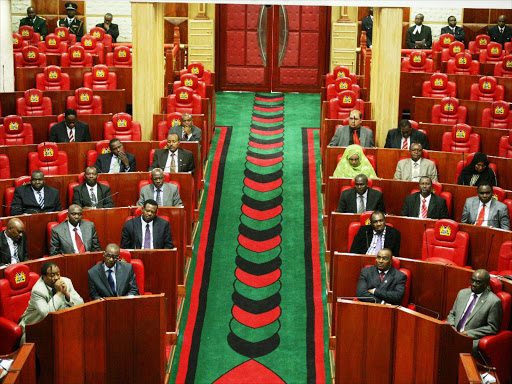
x: 117, y: 161
x: 35, y: 197
x: 370, y: 239
x: 165, y: 194
x: 173, y: 159
x: 361, y: 198
x: 425, y: 204
x: 74, y: 235
x: 147, y: 231
x: 415, y: 167
x: 381, y: 283
x: 91, y: 194
x: 110, y: 278
x: 13, y: 243
x: 70, y: 130
x: 484, y: 210
x: 187, y: 131
x: 419, y: 35
x: 353, y: 133
x: 477, y: 311
x: 50, y: 293
x: 404, y: 136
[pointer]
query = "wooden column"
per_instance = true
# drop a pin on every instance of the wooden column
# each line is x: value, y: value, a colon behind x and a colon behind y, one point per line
x: 385, y: 70
x: 148, y: 63
x: 6, y: 54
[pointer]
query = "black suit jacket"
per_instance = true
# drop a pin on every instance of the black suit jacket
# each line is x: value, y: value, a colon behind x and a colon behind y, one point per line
x: 394, y: 139
x: 185, y: 160
x: 131, y: 235
x: 502, y: 38
x: 102, y: 163
x: 348, y: 201
x: 39, y: 25
x: 59, y: 132
x: 82, y: 198
x: 458, y: 35
x: 24, y: 200
x: 5, y: 252
x: 112, y: 31
x: 367, y: 25
x: 125, y: 281
x: 75, y: 28
x: 364, y: 237
x: 391, y: 289
x: 426, y: 33
x: 437, y: 208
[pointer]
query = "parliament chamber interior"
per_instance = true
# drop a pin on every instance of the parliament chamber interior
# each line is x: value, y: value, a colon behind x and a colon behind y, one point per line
x: 245, y: 193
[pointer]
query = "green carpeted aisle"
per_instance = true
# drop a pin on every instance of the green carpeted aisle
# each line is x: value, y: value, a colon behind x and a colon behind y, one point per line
x: 255, y: 310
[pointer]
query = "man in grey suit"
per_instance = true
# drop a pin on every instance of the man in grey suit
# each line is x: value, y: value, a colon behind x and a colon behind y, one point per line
x: 173, y: 159
x: 349, y: 134
x: 187, y: 131
x: 13, y: 243
x: 165, y: 194
x: 361, y: 198
x: 404, y: 136
x: 50, y: 293
x: 477, y: 311
x: 110, y: 278
x: 485, y: 211
x: 415, y: 167
x: 91, y: 194
x: 425, y: 204
x: 74, y: 235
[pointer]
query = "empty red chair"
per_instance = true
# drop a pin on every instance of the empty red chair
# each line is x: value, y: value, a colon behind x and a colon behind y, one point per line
x: 479, y: 43
x: 185, y: 101
x: 339, y: 72
x: 33, y: 104
x: 487, y: 89
x: 417, y: 62
x: 48, y: 159
x: 445, y: 244
x: 93, y: 47
x: 121, y: 57
x: 463, y: 64
x: 9, y: 193
x: 15, y: 290
x: 28, y: 34
x: 63, y: 33
x: 505, y: 259
x: 102, y: 147
x: 342, y: 84
x: 84, y: 102
x: 462, y: 163
x: 492, y: 54
x: 14, y: 131
x: 449, y: 112
x: 439, y: 86
x: 443, y: 43
x: 461, y: 139
x: 138, y: 266
x: 198, y: 69
x: 76, y: 57
x: 123, y: 128
x: 18, y: 43
x: 453, y: 50
x: 29, y: 57
x: 52, y: 44
x: 101, y: 37
x: 340, y: 107
x: 191, y: 81
x: 504, y: 68
x: 498, y: 116
x: 505, y: 146
x: 100, y: 78
x: 163, y: 127
x: 52, y: 79
x: 5, y: 168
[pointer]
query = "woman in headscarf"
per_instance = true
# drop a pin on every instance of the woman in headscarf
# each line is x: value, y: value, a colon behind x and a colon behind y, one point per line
x: 354, y: 162
x: 478, y: 172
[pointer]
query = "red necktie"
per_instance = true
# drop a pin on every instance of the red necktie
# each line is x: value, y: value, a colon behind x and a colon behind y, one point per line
x: 355, y: 138
x: 481, y: 215
x: 71, y: 137
x: 405, y: 144
x: 79, y: 243
x: 424, y: 209
x: 381, y: 276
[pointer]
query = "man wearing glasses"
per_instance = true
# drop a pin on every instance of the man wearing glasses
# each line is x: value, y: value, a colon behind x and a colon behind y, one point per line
x: 353, y: 133
x: 110, y: 278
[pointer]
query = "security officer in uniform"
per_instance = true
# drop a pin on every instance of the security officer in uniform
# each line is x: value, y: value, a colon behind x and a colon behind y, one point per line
x: 75, y: 26
x: 36, y: 22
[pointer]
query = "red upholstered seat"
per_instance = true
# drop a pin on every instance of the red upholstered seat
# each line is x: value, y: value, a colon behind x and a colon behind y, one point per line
x: 52, y: 79
x: 439, y: 86
x: 161, y: 145
x: 76, y: 57
x: 353, y: 228
x: 5, y: 168
x: 191, y: 81
x: 438, y: 190
x: 138, y: 268
x: 101, y: 37
x: 29, y: 57
x: 417, y: 62
x: 445, y: 244
x: 163, y: 127
x: 487, y: 89
x: 463, y: 64
x: 33, y: 104
x: 28, y: 34
x: 18, y: 43
x: 93, y: 47
x: 505, y: 259
x: 505, y: 146
x: 443, y: 43
x: 461, y: 139
x: 504, y: 67
x: 85, y: 102
x: 48, y: 159
x: 14, y: 131
x: 462, y: 163
x: 339, y: 72
x: 63, y: 33
x: 123, y: 128
x: 492, y: 54
x: 52, y: 44
x: 102, y: 147
x: 498, y: 116
x: 449, y: 112
x: 479, y: 43
x: 342, y: 84
x: 121, y: 57
x: 184, y: 100
x: 60, y: 118
x: 453, y: 49
x: 340, y: 107
x: 100, y: 78
x: 197, y: 69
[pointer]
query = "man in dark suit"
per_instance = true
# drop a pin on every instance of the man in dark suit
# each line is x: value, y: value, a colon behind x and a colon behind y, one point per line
x: 381, y: 283
x: 117, y: 161
x: 367, y: 26
x: 173, y: 159
x: 419, y: 36
x: 91, y: 194
x: 501, y: 32
x: 36, y: 22
x: 110, y: 278
x: 147, y: 231
x: 109, y: 27
x: 370, y: 239
x: 187, y: 131
x: 74, y: 235
x: 13, y: 243
x: 75, y: 26
x: 35, y: 197
x: 404, y: 136
x: 477, y: 312
x: 69, y: 130
x: 353, y: 133
x: 484, y: 210
x: 361, y: 198
x: 453, y: 29
x: 425, y: 204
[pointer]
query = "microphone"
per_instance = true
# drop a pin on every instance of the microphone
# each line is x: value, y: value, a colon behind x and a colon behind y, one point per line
x: 428, y: 310
x: 362, y: 298
x: 106, y: 197
x: 462, y: 167
x: 487, y: 378
x: 489, y: 252
x: 426, y: 239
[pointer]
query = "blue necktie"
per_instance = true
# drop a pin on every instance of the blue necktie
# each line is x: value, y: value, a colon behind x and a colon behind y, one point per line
x: 111, y: 282
x: 147, y: 238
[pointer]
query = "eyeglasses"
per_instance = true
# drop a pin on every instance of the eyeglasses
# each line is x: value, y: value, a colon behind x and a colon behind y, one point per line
x: 113, y: 257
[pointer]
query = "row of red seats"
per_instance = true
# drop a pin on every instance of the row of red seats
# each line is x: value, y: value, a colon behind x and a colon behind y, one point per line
x: 476, y: 46
x: 487, y: 88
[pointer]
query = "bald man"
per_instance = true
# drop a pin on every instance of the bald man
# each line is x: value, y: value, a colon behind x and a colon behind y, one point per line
x: 13, y: 243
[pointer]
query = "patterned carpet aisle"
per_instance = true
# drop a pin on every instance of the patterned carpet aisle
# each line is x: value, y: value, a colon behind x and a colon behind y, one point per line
x: 256, y: 311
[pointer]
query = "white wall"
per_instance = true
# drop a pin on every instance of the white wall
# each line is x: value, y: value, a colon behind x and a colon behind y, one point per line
x: 436, y: 18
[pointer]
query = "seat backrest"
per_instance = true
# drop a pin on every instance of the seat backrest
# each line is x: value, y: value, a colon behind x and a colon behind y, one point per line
x: 52, y: 44
x: 76, y: 57
x: 9, y: 193
x: 504, y: 68
x: 85, y: 102
x: 353, y: 227
x: 417, y: 62
x: 121, y: 57
x: 123, y: 128
x: 30, y: 57
x: 184, y: 101
x: 439, y: 86
x: 461, y: 139
x: 487, y: 89
x: 453, y: 49
x: 26, y: 32
x: 14, y: 132
x: 498, y: 116
x: 64, y: 34
x: 445, y: 242
x: 94, y: 47
x: 33, y: 104
x: 338, y: 72
x: 52, y: 79
x: 445, y: 40
x: 48, y: 159
x: 340, y: 107
x: 479, y: 43
x: 449, y: 111
x: 505, y: 257
x: 198, y: 70
x: 102, y: 37
x: 102, y: 147
x: 505, y: 146
x: 5, y: 168
x: 462, y: 64
x: 100, y: 78
x: 17, y: 42
x: 15, y: 289
x: 173, y: 119
x: 492, y: 54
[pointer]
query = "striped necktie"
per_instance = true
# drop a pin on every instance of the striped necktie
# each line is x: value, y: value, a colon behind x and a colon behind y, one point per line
x: 40, y: 199
x: 15, y: 255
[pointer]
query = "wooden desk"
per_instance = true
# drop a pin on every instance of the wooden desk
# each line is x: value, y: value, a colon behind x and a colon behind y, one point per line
x: 23, y: 368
